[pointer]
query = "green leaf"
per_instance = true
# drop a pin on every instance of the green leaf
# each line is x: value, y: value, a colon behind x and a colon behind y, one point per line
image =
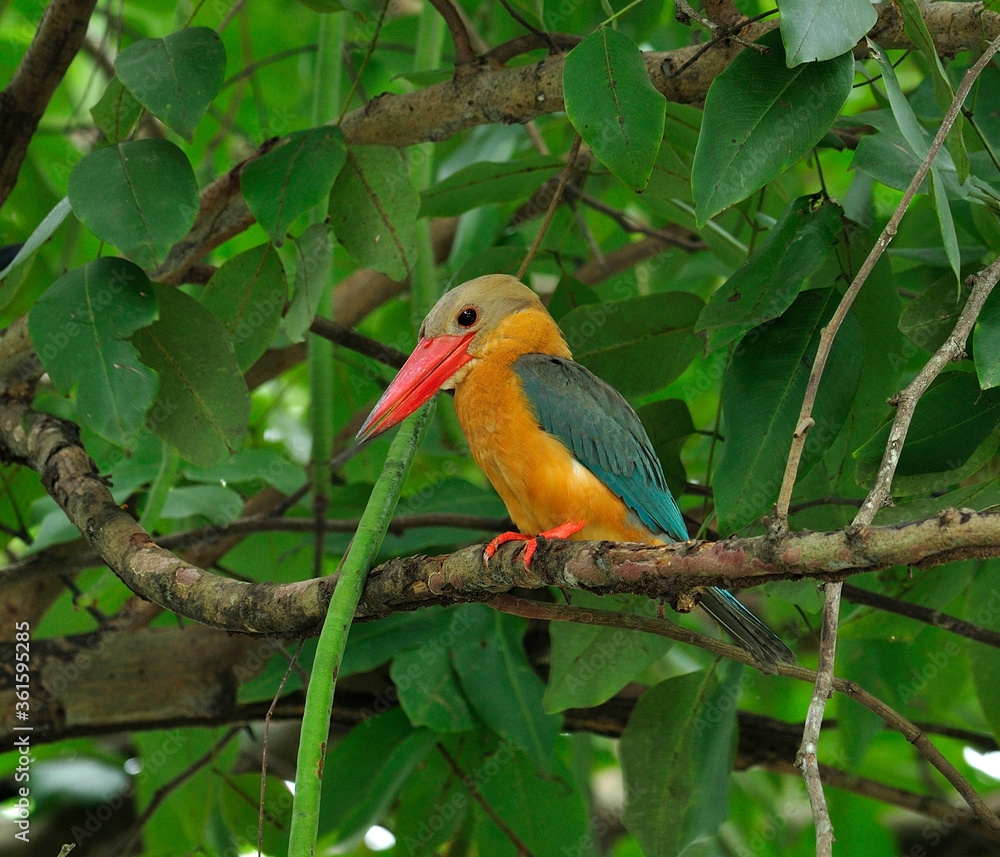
x: 372, y: 644
x: 668, y: 424
x: 637, y: 345
x: 761, y: 399
x: 313, y: 255
x: 247, y: 294
x: 930, y: 317
x: 591, y: 663
x: 202, y: 406
x: 175, y: 77
x: 487, y: 182
x: 373, y: 210
x: 797, y: 246
x: 760, y: 118
x: 435, y: 803
x: 429, y: 692
x: 983, y: 608
x: 986, y: 342
x: 613, y: 106
x: 877, y: 309
x: 116, y: 112
x: 220, y: 505
x: 951, y: 422
x: 252, y: 467
x: 502, y: 686
x: 291, y: 178
x: 80, y: 327
x: 42, y: 233
x: 675, y: 753
x: 140, y: 196
x: 365, y: 772
x: 545, y: 811
x: 917, y: 32
x: 915, y: 137
x: 823, y: 29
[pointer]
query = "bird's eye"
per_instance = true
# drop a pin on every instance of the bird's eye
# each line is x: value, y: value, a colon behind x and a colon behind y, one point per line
x: 467, y: 317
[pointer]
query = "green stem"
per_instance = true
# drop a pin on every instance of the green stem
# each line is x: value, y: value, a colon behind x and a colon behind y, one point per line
x: 424, y: 289
x: 332, y: 639
x: 325, y: 108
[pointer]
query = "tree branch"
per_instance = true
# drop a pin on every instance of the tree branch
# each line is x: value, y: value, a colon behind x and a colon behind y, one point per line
x: 51, y: 447
x: 465, y: 54
x: 23, y: 101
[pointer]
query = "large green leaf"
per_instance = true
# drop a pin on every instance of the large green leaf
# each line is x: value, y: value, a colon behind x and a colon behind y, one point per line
x: 952, y: 421
x: 668, y: 424
x: 487, y: 182
x: 612, y: 104
x: 916, y: 138
x: 637, y: 345
x: 675, y: 753
x: 761, y: 399
x: 917, y: 32
x: 760, y: 118
x: 502, y: 686
x: 545, y: 811
x: 140, y: 196
x: 930, y: 317
x: 292, y: 177
x: 373, y: 210
x: 80, y: 327
x: 883, y: 351
x: 247, y: 294
x: 175, y: 77
x: 591, y: 663
x: 986, y: 342
x: 823, y: 29
x: 203, y: 405
x: 429, y: 692
x: 797, y: 246
x: 365, y: 771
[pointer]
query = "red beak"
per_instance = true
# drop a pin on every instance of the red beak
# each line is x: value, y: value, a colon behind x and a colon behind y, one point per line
x: 432, y: 363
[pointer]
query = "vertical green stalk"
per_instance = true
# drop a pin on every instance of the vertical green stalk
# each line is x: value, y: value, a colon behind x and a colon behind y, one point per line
x: 326, y: 108
x: 424, y: 289
x: 323, y: 679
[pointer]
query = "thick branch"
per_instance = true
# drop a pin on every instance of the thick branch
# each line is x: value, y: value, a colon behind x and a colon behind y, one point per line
x: 23, y: 101
x: 51, y: 447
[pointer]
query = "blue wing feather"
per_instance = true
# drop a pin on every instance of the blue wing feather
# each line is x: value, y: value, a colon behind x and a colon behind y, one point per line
x: 602, y: 430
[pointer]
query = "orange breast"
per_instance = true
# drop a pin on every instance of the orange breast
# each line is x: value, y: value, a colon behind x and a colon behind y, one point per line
x: 538, y: 478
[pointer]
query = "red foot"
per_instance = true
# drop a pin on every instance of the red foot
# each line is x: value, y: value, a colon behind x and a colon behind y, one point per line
x: 561, y: 532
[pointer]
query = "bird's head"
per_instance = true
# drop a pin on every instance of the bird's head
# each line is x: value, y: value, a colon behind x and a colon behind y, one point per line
x: 456, y: 331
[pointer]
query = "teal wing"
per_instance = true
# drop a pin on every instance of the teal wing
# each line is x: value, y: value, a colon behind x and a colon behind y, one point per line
x: 602, y: 430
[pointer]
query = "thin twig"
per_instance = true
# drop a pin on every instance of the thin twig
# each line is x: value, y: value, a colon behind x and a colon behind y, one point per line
x: 831, y: 604
x: 477, y: 796
x: 663, y: 628
x: 263, y: 751
x: 164, y: 791
x: 544, y: 36
x: 563, y: 179
x: 919, y: 613
x: 465, y: 54
x: 828, y: 333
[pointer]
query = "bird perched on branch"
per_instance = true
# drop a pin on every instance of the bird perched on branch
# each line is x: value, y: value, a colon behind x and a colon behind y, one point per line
x: 565, y: 451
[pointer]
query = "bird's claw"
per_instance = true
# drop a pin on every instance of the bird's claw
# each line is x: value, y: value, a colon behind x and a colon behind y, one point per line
x: 563, y: 531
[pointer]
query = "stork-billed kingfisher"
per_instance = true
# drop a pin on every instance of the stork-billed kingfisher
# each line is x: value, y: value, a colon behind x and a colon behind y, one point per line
x: 564, y: 450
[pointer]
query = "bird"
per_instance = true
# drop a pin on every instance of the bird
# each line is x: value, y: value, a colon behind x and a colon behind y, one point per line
x: 565, y: 451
